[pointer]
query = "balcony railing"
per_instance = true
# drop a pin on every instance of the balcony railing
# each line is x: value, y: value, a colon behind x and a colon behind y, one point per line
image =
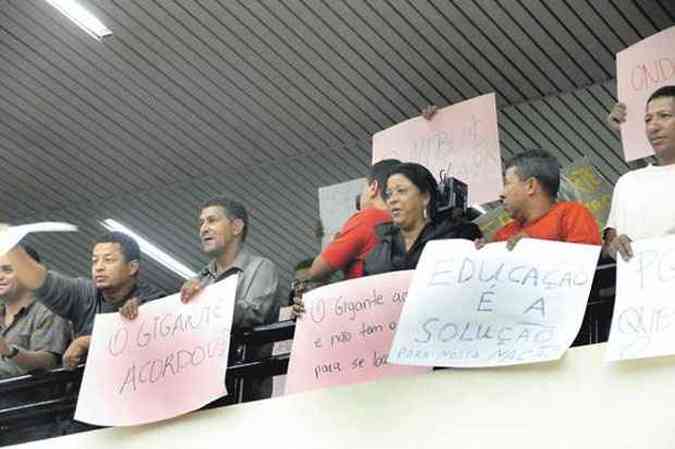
x: 61, y: 386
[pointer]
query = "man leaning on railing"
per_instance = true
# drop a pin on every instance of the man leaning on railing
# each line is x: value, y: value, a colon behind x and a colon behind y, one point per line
x: 641, y: 205
x: 223, y: 226
x: 31, y: 338
x: 115, y: 284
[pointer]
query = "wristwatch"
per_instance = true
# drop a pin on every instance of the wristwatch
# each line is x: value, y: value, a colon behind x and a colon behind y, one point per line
x: 13, y: 351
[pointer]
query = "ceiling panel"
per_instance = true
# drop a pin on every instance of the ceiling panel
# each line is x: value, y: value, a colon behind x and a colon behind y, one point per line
x: 268, y: 100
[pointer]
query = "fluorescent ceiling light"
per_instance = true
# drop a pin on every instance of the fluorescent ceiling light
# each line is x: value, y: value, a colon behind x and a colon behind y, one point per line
x: 151, y: 250
x: 83, y: 18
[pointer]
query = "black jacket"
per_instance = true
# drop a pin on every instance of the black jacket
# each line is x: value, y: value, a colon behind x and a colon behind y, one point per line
x: 390, y: 254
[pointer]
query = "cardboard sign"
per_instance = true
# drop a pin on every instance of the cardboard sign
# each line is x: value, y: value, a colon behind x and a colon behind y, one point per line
x: 492, y: 307
x: 461, y: 141
x: 170, y: 360
x: 643, y: 324
x: 641, y: 69
x: 345, y: 335
x: 336, y: 204
x: 581, y: 182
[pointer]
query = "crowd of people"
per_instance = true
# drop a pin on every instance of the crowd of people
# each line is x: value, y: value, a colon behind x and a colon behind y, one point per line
x: 398, y: 213
x: 46, y: 318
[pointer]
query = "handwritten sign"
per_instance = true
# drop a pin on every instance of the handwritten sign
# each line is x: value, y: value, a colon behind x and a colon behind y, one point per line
x: 643, y: 323
x: 12, y: 236
x: 345, y: 335
x: 461, y: 141
x: 169, y: 361
x: 579, y: 182
x: 492, y: 307
x: 336, y: 204
x: 640, y: 70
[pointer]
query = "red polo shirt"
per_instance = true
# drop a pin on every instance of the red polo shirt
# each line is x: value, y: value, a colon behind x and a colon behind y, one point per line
x: 564, y: 222
x: 356, y: 239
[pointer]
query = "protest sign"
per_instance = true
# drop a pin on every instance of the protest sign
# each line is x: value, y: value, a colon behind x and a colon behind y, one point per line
x: 641, y: 69
x: 345, y: 334
x: 11, y: 236
x: 461, y: 141
x: 170, y: 360
x: 336, y: 204
x: 492, y: 307
x: 643, y: 323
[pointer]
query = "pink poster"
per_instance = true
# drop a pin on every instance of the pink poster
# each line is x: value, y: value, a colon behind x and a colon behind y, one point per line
x: 461, y: 141
x: 345, y: 334
x: 170, y: 360
x: 640, y: 70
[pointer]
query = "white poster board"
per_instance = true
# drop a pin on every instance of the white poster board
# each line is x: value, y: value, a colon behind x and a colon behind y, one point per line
x: 494, y: 307
x: 170, y: 360
x: 12, y: 235
x: 641, y: 69
x: 643, y: 324
x: 461, y: 140
x: 345, y: 335
x: 337, y: 203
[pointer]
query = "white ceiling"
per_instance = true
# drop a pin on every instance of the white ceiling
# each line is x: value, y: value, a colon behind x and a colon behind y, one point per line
x: 268, y: 100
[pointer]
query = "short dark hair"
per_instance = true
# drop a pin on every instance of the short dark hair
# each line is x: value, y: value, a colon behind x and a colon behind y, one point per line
x: 380, y: 172
x: 31, y: 252
x: 540, y: 165
x: 424, y: 181
x: 233, y: 209
x: 129, y: 246
x: 663, y: 92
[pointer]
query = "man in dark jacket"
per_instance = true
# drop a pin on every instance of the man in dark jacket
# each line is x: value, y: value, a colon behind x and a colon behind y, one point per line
x: 115, y: 281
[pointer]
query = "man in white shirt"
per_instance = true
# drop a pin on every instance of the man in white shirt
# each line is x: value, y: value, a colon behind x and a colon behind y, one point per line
x: 641, y: 204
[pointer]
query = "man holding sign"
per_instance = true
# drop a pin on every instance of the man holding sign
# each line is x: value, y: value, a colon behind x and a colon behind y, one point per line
x: 223, y: 226
x: 636, y: 212
x: 114, y: 271
x: 357, y: 237
x: 531, y: 184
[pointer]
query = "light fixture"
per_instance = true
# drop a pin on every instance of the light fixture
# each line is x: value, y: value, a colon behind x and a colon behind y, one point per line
x: 83, y: 18
x: 151, y: 250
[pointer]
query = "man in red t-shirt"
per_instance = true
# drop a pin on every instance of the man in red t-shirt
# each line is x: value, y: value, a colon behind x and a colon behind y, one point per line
x: 531, y: 185
x: 348, y: 251
x: 357, y: 236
